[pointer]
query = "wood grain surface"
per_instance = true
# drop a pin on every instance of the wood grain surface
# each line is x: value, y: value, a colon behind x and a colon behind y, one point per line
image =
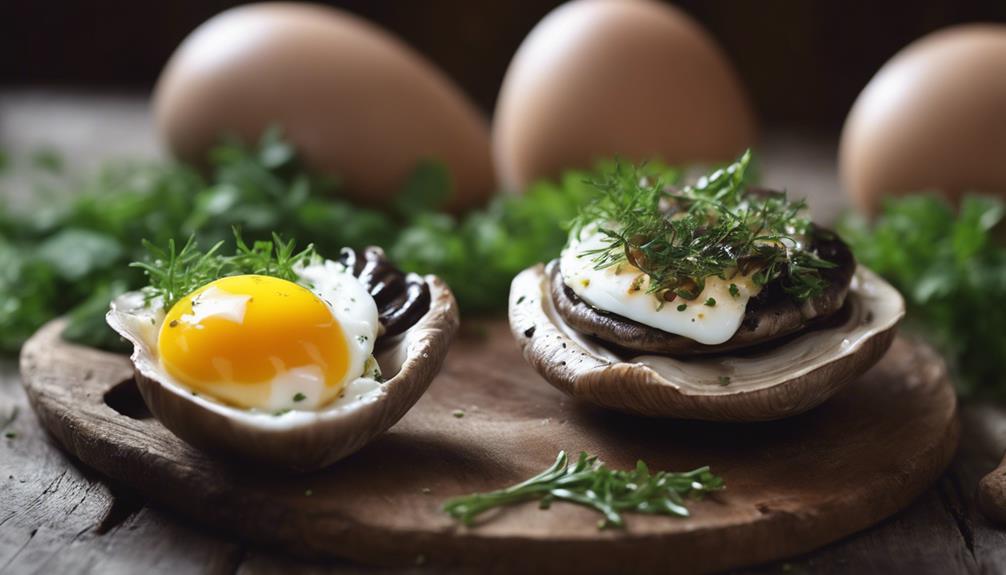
x: 793, y: 485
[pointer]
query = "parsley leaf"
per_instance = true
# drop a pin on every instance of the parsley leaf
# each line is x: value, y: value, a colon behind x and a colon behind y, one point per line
x: 951, y: 267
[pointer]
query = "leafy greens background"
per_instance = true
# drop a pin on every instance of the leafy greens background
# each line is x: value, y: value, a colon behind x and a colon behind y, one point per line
x: 70, y: 255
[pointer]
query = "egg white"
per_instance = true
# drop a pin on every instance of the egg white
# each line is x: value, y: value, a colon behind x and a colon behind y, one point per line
x: 622, y: 289
x: 350, y: 304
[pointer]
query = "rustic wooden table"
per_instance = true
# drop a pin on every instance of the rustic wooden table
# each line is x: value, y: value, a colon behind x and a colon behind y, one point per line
x: 57, y: 516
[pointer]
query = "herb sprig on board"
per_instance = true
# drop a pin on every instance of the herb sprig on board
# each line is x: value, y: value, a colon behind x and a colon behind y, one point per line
x: 679, y: 237
x: 590, y: 483
x: 173, y: 273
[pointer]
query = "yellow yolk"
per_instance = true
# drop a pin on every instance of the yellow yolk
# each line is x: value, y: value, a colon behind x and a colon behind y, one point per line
x: 237, y: 338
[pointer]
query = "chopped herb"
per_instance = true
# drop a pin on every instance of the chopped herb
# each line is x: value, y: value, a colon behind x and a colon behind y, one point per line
x: 590, y: 483
x: 734, y: 290
x: 724, y: 380
x: 279, y: 412
x: 299, y: 397
x: 720, y: 228
x: 682, y: 307
x: 711, y: 302
x: 173, y: 273
x: 10, y: 435
x: 521, y: 299
x: 458, y: 413
x: 362, y: 338
x: 174, y: 322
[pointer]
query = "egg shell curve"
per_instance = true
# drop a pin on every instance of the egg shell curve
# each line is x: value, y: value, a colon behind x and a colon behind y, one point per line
x: 355, y: 101
x: 600, y: 78
x: 932, y: 118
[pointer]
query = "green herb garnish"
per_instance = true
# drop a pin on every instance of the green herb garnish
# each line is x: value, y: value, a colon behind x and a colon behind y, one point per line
x: 950, y: 264
x: 590, y: 483
x: 172, y: 274
x: 734, y: 291
x: 298, y: 397
x: 682, y: 306
x: 711, y: 302
x: 679, y: 237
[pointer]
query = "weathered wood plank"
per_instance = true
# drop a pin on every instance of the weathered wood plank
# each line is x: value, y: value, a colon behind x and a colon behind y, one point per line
x: 58, y: 517
x: 982, y: 444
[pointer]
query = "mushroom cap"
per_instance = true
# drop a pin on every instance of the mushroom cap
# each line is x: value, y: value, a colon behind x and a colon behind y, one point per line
x: 298, y: 440
x: 760, y: 384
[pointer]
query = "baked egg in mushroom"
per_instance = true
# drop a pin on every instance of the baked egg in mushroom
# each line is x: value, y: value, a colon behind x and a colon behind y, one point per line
x: 287, y: 359
x: 715, y: 300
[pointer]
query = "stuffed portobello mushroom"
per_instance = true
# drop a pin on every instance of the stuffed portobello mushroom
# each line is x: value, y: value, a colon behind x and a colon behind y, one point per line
x: 694, y: 279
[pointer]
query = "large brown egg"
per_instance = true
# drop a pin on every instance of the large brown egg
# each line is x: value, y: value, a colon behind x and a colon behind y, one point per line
x: 628, y: 78
x: 933, y: 118
x: 357, y: 102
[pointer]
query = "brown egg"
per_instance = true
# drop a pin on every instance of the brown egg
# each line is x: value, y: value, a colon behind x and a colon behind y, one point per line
x: 933, y: 118
x: 632, y: 78
x: 357, y: 102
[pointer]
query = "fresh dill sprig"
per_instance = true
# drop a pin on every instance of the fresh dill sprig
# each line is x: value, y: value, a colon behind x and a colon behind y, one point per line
x: 715, y: 227
x: 590, y: 483
x: 173, y: 273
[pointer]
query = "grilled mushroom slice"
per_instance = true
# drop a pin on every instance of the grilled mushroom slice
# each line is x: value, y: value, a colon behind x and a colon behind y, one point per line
x: 769, y: 382
x: 769, y: 316
x: 419, y: 316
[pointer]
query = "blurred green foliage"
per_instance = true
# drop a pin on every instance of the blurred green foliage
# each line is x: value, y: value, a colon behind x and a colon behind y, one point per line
x: 70, y: 255
x: 950, y: 264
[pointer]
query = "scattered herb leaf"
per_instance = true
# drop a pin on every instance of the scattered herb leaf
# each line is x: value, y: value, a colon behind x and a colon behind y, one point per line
x: 590, y: 483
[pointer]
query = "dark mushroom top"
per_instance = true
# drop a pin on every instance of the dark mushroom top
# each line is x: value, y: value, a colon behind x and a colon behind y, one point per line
x: 402, y: 298
x: 770, y: 315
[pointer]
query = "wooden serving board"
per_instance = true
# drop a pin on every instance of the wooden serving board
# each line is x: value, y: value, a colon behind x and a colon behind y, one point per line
x: 792, y: 485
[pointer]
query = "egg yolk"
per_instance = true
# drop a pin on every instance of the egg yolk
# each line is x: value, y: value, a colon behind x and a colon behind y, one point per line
x: 233, y: 337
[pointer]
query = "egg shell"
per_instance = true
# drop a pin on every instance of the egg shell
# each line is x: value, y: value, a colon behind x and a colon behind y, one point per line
x: 356, y: 102
x: 933, y: 118
x: 633, y: 78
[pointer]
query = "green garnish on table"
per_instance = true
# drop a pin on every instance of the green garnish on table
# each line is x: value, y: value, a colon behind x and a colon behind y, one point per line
x: 590, y: 483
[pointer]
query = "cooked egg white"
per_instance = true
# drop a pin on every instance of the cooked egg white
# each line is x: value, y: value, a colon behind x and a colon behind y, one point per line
x: 260, y: 342
x: 712, y: 318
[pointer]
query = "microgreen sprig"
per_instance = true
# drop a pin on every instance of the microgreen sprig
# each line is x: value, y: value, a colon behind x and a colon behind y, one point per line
x: 715, y: 227
x: 590, y: 483
x: 173, y: 273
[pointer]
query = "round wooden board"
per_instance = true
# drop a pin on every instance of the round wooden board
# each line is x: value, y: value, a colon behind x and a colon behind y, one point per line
x: 792, y: 485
